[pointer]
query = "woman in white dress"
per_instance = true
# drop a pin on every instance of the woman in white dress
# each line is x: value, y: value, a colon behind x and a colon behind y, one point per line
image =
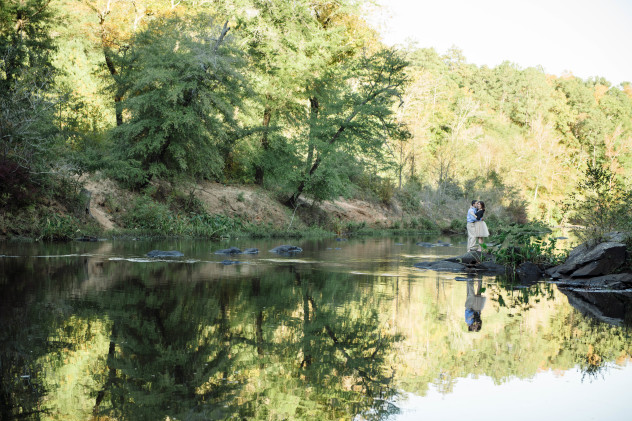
x: 480, y: 227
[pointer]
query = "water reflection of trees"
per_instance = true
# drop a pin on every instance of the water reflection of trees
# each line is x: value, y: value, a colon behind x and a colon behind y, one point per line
x: 527, y: 329
x: 291, y: 343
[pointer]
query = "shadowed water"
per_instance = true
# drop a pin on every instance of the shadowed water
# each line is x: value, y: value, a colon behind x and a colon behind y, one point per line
x: 343, y: 330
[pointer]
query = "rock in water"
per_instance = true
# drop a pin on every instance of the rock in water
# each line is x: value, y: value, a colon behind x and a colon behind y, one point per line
x: 441, y: 266
x: 232, y: 250
x: 160, y: 253
x: 529, y: 272
x: 286, y: 250
x: 251, y: 251
x: 585, y: 261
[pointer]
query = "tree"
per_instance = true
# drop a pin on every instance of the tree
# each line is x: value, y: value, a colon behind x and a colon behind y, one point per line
x: 28, y: 134
x: 355, y: 115
x: 182, y: 85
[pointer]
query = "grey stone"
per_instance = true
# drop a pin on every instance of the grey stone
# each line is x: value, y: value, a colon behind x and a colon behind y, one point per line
x: 617, y: 236
x: 423, y: 265
x: 251, y: 251
x: 442, y: 265
x: 469, y: 258
x: 160, y: 253
x: 491, y: 267
x: 232, y: 250
x: 286, y: 250
x: 528, y: 271
x: 423, y: 244
x: 584, y: 261
x: 230, y: 262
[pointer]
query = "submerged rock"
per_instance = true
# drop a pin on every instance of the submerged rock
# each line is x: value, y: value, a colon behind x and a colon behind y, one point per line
x: 251, y: 251
x: 160, y: 253
x: 230, y: 262
x: 231, y: 250
x: 442, y: 266
x: 286, y: 250
x: 87, y: 238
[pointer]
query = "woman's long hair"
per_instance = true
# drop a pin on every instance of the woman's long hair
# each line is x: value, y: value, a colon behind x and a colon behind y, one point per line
x: 482, y: 204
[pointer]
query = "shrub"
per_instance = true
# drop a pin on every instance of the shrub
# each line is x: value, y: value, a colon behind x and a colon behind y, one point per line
x: 16, y: 188
x: 519, y: 243
x: 600, y: 204
x: 147, y: 214
x: 59, y: 228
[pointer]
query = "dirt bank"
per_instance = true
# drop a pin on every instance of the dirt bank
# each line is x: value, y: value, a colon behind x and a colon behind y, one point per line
x: 249, y: 203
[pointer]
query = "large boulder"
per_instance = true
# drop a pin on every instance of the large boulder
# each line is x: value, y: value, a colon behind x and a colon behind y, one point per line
x: 161, y: 253
x: 586, y: 261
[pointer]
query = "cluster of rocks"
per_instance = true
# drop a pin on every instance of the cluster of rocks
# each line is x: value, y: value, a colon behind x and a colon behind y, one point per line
x: 284, y: 250
x: 470, y: 261
x: 595, y: 266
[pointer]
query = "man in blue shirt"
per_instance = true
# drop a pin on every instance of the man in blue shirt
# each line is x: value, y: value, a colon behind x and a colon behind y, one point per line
x: 472, y: 245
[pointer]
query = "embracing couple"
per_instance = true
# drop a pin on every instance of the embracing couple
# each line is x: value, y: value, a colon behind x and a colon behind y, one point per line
x: 476, y: 227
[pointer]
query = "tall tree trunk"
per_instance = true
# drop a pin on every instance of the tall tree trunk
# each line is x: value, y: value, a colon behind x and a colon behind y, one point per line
x: 313, y: 119
x: 265, y: 144
x: 118, y: 97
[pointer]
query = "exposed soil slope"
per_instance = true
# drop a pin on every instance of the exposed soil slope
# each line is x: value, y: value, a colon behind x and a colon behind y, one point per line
x: 250, y: 203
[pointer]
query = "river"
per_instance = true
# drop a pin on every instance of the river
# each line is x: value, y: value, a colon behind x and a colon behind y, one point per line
x: 344, y: 330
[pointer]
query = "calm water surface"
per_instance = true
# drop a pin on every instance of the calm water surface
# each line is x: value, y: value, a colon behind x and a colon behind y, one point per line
x: 345, y: 330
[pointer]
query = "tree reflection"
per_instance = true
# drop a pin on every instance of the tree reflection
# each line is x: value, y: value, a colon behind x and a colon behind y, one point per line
x: 293, y: 341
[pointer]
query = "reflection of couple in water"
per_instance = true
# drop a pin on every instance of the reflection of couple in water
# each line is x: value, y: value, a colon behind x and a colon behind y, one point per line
x: 474, y: 304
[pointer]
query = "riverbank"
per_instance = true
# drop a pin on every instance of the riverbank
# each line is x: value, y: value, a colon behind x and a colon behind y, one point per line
x: 96, y: 207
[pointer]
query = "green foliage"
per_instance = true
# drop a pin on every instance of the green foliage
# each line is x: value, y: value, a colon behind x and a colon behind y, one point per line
x: 59, y: 228
x: 151, y: 217
x: 515, y: 244
x: 600, y: 203
x: 457, y: 226
x: 30, y: 144
x: 354, y: 119
x: 182, y: 87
